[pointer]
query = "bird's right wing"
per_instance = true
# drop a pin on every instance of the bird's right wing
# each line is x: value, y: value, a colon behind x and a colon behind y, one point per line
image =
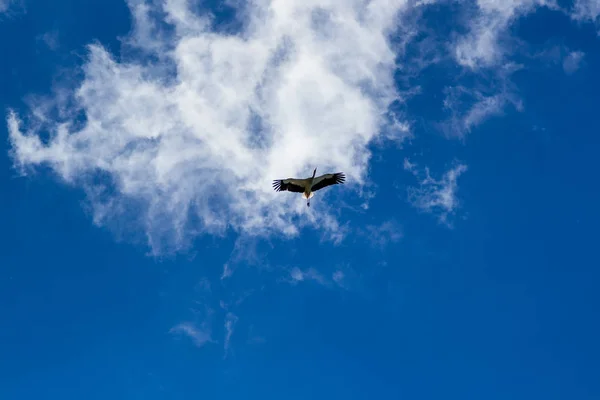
x: 290, y: 184
x: 328, y: 179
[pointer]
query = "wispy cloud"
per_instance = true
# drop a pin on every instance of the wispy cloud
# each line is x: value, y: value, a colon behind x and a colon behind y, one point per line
x: 4, y: 4
x: 586, y: 10
x: 227, y: 272
x: 435, y: 196
x: 203, y: 287
x: 50, y: 39
x: 186, y: 142
x: 487, y: 40
x: 338, y: 277
x: 469, y: 108
x: 383, y: 234
x: 342, y: 276
x: 486, y: 51
x: 12, y: 8
x: 246, y: 251
x: 310, y: 274
x: 253, y: 338
x: 199, y: 335
x: 573, y: 61
x: 560, y: 55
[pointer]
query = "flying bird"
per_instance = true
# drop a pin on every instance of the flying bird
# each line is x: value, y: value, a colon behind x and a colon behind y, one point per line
x: 310, y: 185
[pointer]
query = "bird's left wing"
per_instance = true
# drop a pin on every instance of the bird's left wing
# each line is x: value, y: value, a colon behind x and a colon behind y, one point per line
x: 328, y: 179
x: 290, y: 184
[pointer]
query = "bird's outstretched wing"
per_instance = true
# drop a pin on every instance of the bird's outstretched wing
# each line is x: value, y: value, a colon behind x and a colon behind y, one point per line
x: 291, y: 185
x: 328, y: 179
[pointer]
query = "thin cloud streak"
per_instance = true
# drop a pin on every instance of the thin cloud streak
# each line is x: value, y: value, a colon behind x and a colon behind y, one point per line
x: 199, y: 336
x: 230, y: 322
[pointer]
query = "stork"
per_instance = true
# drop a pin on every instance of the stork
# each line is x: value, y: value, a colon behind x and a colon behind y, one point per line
x: 310, y: 185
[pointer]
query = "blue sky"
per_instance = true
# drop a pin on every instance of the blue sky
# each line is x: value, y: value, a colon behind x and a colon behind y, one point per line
x: 145, y: 254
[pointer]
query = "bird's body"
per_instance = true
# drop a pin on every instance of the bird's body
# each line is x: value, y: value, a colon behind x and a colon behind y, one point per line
x: 309, y: 185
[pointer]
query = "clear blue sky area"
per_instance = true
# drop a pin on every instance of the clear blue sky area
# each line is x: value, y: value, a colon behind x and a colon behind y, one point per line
x: 491, y: 295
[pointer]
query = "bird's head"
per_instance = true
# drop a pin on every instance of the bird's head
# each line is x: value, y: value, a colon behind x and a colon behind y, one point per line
x: 314, y: 172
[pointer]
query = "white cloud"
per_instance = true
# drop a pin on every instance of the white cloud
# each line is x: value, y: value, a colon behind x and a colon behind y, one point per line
x: 187, y: 142
x: 183, y: 138
x: 436, y: 196
x: 200, y: 336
